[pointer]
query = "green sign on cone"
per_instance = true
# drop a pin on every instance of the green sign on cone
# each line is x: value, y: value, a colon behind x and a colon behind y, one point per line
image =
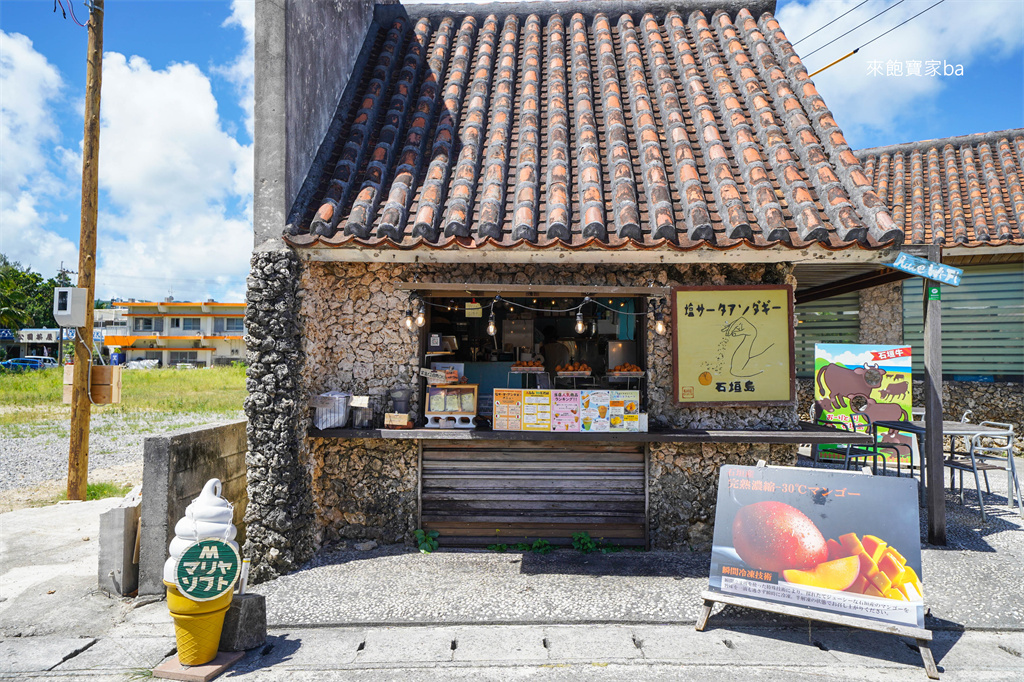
x: 207, y: 569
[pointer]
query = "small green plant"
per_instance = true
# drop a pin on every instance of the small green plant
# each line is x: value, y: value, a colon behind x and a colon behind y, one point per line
x: 500, y: 549
x: 521, y: 547
x: 541, y: 546
x: 426, y: 540
x: 99, y: 491
x: 583, y: 542
x: 607, y: 548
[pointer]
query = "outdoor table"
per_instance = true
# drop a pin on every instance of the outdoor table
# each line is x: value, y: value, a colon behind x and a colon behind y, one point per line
x: 949, y: 428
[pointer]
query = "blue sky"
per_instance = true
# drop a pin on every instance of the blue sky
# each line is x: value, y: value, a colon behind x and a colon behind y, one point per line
x: 176, y: 145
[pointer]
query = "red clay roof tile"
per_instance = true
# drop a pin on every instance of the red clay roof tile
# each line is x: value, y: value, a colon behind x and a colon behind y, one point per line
x: 673, y: 132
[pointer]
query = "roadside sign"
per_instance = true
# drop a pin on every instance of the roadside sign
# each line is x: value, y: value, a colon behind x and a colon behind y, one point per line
x: 921, y: 267
x: 207, y: 569
x: 830, y: 542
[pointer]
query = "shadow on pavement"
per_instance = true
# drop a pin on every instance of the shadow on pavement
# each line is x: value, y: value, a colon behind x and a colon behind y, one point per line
x: 647, y: 564
x: 278, y: 649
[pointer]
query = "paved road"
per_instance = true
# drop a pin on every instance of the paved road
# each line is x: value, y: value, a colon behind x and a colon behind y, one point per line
x: 391, y: 614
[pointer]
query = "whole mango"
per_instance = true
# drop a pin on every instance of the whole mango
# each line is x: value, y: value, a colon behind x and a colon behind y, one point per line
x: 774, y: 536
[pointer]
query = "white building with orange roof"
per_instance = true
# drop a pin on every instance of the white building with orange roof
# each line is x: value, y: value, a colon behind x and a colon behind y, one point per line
x: 195, y: 333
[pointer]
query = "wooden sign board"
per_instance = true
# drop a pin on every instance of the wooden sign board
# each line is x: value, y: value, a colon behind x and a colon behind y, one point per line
x: 733, y: 345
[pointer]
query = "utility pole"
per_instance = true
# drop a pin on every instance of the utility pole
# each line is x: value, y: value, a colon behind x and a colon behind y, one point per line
x: 78, y: 456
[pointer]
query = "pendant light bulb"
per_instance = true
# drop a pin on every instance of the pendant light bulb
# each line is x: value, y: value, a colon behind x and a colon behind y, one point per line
x: 659, y: 323
x: 407, y: 320
x: 492, y: 327
x: 421, y: 316
x: 581, y: 326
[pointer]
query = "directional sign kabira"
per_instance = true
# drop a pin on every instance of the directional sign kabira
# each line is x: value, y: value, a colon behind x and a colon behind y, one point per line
x: 928, y: 269
x: 207, y: 569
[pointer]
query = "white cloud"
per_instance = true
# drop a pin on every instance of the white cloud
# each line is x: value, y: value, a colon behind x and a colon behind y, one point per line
x: 241, y: 71
x: 179, y: 186
x: 955, y: 33
x: 29, y: 84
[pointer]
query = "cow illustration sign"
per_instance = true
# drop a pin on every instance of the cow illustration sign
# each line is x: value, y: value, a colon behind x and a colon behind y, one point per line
x: 830, y: 541
x: 733, y: 345
x: 858, y: 383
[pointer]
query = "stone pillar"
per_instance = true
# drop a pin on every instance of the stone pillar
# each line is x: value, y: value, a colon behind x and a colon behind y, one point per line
x: 279, y: 519
x: 881, y: 314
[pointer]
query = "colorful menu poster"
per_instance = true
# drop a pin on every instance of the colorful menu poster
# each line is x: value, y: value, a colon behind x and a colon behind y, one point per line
x: 595, y: 408
x: 508, y: 409
x: 565, y: 410
x: 536, y: 410
x: 624, y: 411
x: 820, y: 539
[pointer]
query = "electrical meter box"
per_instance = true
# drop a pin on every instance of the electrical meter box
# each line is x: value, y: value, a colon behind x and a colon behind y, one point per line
x: 70, y: 306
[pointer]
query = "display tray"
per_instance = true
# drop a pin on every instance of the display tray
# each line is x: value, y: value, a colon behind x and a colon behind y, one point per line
x: 573, y: 374
x: 526, y: 370
x: 625, y: 375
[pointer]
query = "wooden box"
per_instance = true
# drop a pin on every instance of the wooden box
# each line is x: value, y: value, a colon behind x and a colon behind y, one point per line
x: 105, y: 384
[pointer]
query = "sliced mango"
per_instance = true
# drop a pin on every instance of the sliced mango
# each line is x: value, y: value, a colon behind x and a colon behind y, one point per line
x: 830, y: 575
x: 891, y: 568
x: 874, y: 547
x: 836, y: 550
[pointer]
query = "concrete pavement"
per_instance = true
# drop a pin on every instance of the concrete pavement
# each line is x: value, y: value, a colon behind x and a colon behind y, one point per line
x: 394, y: 614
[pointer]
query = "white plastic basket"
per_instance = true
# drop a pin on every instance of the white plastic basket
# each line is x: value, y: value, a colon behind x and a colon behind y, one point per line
x: 330, y: 410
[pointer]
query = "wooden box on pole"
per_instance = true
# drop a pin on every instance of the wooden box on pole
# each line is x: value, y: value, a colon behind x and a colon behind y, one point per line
x: 104, y: 384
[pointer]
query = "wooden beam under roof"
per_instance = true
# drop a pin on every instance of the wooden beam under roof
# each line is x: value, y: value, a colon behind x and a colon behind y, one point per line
x: 471, y: 289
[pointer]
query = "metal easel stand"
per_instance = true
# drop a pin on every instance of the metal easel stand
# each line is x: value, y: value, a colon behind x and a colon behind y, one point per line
x: 921, y: 636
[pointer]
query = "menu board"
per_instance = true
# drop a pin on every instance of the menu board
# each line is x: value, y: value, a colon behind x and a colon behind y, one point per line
x: 536, y: 410
x: 508, y: 409
x: 565, y: 411
x: 624, y: 411
x: 595, y: 406
x: 733, y: 344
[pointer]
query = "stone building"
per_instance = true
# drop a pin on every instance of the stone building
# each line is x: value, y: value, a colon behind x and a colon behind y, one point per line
x: 447, y: 156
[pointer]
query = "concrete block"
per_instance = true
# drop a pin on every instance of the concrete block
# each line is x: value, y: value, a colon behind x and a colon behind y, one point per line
x: 117, y: 572
x: 245, y: 624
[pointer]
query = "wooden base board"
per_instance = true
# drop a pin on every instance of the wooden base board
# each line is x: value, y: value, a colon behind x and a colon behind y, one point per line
x: 922, y: 637
x: 172, y: 669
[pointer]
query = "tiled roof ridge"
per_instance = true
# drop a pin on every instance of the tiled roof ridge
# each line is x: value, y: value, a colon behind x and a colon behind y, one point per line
x: 941, y: 171
x: 972, y: 139
x: 589, y: 9
x: 868, y: 203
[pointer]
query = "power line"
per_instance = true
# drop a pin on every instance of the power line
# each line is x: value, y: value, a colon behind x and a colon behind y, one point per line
x: 830, y: 23
x: 901, y: 24
x: 858, y: 48
x: 855, y: 28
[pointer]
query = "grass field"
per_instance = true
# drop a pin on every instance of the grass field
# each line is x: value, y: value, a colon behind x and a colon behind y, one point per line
x: 32, y: 397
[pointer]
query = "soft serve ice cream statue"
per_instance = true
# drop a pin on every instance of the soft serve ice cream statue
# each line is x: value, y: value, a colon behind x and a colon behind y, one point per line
x: 209, y: 516
x: 198, y: 624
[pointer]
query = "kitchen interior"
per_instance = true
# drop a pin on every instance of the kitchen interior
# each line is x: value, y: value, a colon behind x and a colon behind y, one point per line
x: 487, y: 337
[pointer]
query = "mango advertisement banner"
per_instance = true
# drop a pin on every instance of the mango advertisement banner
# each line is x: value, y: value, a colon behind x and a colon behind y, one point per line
x: 733, y: 344
x: 856, y: 382
x: 822, y: 539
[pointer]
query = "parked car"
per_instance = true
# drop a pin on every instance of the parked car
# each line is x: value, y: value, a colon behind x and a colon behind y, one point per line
x: 21, y: 365
x: 45, y: 361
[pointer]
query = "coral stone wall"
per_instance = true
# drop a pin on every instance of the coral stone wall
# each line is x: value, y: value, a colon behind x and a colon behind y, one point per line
x: 351, y: 315
x: 683, y: 487
x: 881, y: 314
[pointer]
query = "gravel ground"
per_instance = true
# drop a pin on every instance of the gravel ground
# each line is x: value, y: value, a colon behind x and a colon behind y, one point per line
x: 37, y: 452
x: 973, y: 582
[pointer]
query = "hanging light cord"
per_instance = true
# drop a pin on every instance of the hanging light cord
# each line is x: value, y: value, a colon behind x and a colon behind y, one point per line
x: 573, y: 309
